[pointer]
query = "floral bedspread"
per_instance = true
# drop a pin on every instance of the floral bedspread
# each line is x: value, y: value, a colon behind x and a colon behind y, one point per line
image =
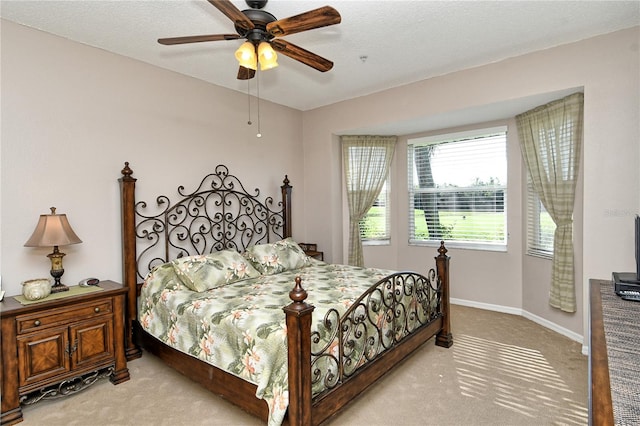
x: 240, y: 327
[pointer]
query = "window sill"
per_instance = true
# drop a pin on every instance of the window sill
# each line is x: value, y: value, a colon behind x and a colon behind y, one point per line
x: 540, y: 255
x: 376, y: 243
x: 458, y: 245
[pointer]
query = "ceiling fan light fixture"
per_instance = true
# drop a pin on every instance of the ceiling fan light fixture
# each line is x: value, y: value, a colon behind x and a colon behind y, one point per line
x: 259, y: 27
x: 246, y: 56
x: 267, y: 57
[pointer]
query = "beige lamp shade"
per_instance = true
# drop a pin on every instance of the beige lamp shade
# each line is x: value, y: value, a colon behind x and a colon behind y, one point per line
x: 52, y: 230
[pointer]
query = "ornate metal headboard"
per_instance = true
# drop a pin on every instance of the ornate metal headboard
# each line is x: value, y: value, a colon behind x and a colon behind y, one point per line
x: 219, y: 214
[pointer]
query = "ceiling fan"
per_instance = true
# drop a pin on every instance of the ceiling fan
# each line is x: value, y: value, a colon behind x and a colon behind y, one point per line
x: 262, y: 31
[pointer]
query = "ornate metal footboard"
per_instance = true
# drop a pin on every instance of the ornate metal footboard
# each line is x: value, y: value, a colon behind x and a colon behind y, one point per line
x: 350, y: 353
x: 376, y: 322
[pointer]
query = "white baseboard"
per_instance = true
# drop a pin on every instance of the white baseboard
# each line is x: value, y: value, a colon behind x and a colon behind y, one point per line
x: 528, y: 315
x: 487, y: 306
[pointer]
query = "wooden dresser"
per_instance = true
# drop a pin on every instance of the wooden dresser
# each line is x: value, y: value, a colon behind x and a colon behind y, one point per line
x: 614, y: 357
x: 58, y: 347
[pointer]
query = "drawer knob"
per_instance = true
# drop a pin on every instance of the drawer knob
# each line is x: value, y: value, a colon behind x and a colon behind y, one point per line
x: 96, y: 309
x: 36, y: 323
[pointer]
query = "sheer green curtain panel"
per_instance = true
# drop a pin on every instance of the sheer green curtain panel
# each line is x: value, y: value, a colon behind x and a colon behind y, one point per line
x: 551, y: 141
x: 366, y: 161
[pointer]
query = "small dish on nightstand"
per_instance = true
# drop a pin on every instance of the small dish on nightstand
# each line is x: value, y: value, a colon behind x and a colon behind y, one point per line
x: 36, y: 289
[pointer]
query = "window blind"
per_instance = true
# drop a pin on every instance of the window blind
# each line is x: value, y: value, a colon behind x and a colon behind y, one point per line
x: 540, y: 226
x: 457, y: 189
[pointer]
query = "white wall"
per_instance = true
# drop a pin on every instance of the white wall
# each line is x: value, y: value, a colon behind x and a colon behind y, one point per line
x: 607, y: 67
x: 71, y: 116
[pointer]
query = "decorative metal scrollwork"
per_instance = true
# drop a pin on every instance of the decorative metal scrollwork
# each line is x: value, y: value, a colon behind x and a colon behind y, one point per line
x: 377, y: 321
x: 68, y: 387
x: 219, y: 214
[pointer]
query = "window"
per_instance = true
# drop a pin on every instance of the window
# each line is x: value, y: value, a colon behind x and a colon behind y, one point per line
x: 374, y: 228
x: 457, y: 189
x: 540, y: 226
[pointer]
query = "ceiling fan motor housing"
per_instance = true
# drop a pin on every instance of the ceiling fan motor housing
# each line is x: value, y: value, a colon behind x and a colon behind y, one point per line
x: 260, y: 19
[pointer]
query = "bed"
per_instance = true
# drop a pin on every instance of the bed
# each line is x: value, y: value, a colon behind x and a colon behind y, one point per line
x: 220, y: 291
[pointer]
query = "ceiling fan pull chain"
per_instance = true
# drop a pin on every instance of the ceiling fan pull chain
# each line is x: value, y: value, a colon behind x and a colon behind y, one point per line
x: 258, y: 91
x: 249, y: 100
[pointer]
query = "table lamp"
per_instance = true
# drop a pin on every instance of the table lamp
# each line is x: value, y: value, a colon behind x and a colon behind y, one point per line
x: 54, y: 230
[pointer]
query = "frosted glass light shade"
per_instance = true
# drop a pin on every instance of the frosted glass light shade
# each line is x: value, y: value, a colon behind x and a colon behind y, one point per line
x: 246, y: 56
x: 267, y: 57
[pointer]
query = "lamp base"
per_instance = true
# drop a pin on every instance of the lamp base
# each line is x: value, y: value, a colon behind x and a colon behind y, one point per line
x: 59, y: 288
x: 57, y: 270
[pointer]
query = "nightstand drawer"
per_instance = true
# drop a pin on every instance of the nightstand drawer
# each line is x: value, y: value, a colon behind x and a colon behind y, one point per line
x: 60, y: 316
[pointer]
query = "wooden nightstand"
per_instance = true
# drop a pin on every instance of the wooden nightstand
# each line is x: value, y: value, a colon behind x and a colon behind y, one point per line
x: 312, y: 250
x: 59, y: 347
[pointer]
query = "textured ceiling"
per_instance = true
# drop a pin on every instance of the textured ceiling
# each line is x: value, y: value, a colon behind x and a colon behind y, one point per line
x: 378, y: 45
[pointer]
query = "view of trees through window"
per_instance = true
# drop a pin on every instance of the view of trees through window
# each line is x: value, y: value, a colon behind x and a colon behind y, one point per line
x: 457, y: 188
x: 375, y: 225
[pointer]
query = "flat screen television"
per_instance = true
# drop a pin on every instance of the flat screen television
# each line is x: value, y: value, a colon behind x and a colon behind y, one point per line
x: 630, y: 280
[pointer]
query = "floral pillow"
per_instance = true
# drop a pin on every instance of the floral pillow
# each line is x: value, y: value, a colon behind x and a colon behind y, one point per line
x: 277, y: 257
x: 205, y: 272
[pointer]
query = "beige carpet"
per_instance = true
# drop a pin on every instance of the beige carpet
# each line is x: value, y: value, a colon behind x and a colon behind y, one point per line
x: 501, y: 370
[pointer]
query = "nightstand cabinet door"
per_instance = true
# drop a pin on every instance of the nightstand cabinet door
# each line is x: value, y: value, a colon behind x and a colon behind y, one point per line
x: 92, y: 342
x: 43, y: 355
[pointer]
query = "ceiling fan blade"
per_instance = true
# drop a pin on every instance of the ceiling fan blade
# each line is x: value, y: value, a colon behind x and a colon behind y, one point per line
x: 302, y: 55
x: 233, y: 13
x: 317, y: 18
x: 245, y: 73
x: 197, y: 38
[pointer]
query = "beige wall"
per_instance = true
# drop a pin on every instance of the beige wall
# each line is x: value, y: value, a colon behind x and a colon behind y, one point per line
x: 71, y: 116
x: 607, y: 67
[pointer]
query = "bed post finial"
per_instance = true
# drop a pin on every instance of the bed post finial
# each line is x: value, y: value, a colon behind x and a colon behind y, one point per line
x: 126, y: 172
x: 298, y: 315
x: 442, y: 250
x: 298, y: 294
x: 444, y: 338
